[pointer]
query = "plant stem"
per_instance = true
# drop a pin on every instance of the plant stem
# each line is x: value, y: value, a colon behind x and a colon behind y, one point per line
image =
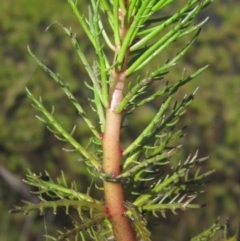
x: 112, y: 155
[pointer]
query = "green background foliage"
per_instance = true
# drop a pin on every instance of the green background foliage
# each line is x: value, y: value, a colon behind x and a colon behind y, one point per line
x: 212, y: 119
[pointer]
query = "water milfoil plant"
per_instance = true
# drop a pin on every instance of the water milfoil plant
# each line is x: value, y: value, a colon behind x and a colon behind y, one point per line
x: 141, y: 180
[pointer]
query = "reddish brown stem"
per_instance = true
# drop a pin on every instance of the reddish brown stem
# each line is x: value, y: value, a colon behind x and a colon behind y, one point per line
x: 112, y: 155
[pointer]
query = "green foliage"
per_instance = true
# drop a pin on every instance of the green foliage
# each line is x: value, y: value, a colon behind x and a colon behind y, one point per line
x: 212, y: 233
x: 164, y: 138
x: 142, y: 158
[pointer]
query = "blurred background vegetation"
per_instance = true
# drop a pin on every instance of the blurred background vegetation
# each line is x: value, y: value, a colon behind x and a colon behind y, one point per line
x: 213, y: 119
